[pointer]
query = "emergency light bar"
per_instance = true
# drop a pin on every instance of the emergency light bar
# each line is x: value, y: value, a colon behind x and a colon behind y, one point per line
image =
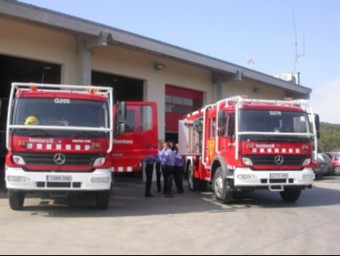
x: 35, y: 87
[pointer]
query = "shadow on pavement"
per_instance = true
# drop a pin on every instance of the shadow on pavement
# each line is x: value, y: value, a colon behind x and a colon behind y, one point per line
x: 128, y: 200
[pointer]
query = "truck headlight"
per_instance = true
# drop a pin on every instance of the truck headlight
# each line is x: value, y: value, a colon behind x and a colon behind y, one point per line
x: 307, y: 161
x: 99, y: 161
x: 247, y: 161
x: 18, y: 160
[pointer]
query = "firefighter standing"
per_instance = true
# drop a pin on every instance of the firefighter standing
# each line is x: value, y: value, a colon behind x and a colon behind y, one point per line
x: 167, y: 165
x: 149, y: 165
x: 158, y: 165
x: 178, y: 171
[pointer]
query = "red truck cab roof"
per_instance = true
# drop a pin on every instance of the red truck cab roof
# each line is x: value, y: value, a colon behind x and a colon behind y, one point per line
x: 55, y: 94
x: 271, y: 107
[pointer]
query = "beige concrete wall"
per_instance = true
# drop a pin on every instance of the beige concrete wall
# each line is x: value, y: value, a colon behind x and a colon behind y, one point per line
x: 41, y: 44
x: 245, y: 87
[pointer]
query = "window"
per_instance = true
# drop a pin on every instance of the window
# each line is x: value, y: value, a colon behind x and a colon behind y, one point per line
x: 231, y: 125
x: 273, y: 121
x: 212, y: 128
x: 181, y: 105
x: 139, y: 118
x: 61, y: 112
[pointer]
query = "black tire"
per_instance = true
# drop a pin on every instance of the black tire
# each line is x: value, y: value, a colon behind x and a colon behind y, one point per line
x: 222, y: 187
x: 103, y: 200
x: 290, y: 195
x: 16, y: 199
x: 336, y: 171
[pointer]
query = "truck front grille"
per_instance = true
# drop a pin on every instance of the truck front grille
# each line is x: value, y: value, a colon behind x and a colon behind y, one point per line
x: 48, y: 159
x: 289, y: 160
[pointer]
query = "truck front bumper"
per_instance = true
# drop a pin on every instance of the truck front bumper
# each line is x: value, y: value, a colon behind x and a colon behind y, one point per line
x: 18, y: 179
x: 275, y: 180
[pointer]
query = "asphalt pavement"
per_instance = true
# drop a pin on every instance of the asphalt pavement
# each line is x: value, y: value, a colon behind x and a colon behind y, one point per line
x: 259, y: 223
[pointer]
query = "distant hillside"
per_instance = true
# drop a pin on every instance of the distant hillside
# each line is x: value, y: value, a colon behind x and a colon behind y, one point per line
x: 330, y: 137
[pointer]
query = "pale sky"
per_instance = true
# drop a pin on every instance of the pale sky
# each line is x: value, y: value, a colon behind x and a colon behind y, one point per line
x: 235, y: 31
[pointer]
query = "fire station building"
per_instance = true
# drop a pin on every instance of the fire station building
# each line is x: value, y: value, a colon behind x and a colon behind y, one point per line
x: 39, y: 45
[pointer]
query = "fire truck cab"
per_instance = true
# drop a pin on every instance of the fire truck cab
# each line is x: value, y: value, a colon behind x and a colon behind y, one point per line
x: 58, y: 139
x: 241, y: 144
x: 66, y: 139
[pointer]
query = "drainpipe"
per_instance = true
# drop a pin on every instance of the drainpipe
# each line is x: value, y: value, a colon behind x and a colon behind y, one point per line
x: 85, y: 46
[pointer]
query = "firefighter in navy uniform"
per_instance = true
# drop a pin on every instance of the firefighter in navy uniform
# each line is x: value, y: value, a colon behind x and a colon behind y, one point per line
x: 158, y: 166
x: 167, y: 164
x: 178, y: 170
x: 149, y: 166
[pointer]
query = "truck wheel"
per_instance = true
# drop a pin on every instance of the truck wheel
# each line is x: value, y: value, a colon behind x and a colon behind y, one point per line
x: 193, y: 183
x: 222, y: 189
x: 337, y: 171
x: 16, y: 200
x: 290, y: 195
x: 103, y: 200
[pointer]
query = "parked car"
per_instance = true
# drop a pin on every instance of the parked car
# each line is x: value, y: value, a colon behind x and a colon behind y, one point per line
x: 323, y: 165
x: 335, y: 156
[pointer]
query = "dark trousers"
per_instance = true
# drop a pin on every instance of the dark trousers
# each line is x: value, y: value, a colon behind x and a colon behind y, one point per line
x: 168, y: 172
x: 158, y: 176
x: 149, y: 173
x: 178, y: 177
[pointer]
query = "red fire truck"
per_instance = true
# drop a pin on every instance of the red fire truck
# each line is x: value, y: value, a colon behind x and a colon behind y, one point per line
x: 241, y: 144
x: 65, y: 139
x: 138, y: 137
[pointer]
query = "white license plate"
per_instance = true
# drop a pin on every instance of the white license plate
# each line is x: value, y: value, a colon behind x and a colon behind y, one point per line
x: 59, y: 178
x: 279, y: 175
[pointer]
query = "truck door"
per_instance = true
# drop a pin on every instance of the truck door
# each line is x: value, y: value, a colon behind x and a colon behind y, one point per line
x: 138, y: 139
x: 226, y: 136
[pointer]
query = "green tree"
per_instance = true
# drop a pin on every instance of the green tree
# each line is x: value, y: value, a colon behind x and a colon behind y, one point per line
x: 330, y: 137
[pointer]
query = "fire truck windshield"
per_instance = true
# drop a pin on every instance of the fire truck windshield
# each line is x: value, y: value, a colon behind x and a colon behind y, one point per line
x: 276, y: 121
x: 60, y: 112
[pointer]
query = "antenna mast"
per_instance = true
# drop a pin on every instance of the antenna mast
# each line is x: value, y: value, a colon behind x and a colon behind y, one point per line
x: 297, y: 54
x: 251, y: 63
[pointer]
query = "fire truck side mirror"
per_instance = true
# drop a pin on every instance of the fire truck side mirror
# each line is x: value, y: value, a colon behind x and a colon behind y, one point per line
x: 317, y: 125
x: 121, y: 116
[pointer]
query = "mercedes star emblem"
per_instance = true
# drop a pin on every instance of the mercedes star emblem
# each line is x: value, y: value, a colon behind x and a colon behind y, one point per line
x: 59, y: 159
x: 279, y: 160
